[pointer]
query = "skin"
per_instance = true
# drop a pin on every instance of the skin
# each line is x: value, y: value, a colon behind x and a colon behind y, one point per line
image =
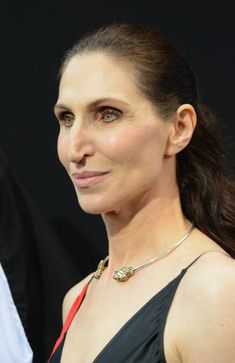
x: 138, y: 199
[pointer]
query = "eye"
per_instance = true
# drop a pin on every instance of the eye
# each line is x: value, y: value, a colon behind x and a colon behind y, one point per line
x: 108, y: 114
x: 66, y: 118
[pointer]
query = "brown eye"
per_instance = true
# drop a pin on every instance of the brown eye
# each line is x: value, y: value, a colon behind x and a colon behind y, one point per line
x: 67, y: 119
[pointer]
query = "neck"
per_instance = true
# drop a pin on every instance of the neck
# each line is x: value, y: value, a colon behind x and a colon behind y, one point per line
x: 137, y: 234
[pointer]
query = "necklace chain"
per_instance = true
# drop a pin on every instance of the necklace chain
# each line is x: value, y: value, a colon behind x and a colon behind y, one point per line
x: 124, y: 273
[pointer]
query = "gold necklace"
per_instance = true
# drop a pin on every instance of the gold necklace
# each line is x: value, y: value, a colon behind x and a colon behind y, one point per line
x: 124, y: 273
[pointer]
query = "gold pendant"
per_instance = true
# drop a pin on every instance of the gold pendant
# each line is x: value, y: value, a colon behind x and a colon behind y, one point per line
x: 100, y: 269
x: 123, y: 274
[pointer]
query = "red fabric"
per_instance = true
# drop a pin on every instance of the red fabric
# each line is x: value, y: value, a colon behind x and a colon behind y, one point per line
x: 70, y: 317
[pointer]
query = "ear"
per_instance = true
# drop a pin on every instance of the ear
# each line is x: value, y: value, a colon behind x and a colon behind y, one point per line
x: 181, y: 127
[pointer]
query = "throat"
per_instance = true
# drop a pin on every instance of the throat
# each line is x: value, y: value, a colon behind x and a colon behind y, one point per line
x: 123, y: 273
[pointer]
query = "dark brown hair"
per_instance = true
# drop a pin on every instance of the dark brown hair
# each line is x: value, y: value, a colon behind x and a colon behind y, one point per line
x: 164, y: 77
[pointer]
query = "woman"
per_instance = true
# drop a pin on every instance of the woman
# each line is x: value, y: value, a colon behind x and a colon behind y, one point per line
x: 142, y: 151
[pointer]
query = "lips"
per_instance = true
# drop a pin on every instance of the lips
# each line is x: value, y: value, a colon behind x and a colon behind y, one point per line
x: 86, y: 179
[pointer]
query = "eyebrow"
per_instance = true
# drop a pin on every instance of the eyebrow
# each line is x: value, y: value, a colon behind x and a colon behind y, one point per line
x: 61, y: 106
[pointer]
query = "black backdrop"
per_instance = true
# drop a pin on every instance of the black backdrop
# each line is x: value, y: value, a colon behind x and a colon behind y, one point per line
x: 35, y: 35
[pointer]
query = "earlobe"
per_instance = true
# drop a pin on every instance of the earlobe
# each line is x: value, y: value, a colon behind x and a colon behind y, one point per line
x: 181, y: 128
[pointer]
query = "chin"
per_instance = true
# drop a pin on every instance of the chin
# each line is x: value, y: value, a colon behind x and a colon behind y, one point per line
x: 92, y: 205
x: 90, y: 210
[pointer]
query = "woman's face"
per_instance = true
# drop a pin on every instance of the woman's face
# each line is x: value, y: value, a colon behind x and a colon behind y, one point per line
x: 111, y: 141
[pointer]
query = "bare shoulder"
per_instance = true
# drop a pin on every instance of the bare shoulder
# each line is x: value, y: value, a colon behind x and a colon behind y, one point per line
x: 212, y: 272
x: 72, y: 294
x: 207, y: 310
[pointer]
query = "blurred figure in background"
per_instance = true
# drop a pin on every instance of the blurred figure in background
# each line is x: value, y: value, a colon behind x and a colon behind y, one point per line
x: 35, y: 273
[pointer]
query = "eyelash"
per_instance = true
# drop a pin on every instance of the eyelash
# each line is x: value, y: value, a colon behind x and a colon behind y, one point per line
x: 62, y: 118
x: 103, y: 111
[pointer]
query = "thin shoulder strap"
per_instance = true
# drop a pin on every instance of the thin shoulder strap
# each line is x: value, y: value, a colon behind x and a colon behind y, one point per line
x: 70, y: 316
x: 186, y: 268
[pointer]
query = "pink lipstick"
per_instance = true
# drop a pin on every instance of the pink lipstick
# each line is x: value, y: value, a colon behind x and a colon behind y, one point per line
x: 87, y: 179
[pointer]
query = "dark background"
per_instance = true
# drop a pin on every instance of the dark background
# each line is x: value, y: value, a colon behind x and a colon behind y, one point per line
x: 35, y: 36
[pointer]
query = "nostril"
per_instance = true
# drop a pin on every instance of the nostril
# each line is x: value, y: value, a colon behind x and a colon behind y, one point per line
x: 79, y: 161
x: 82, y: 162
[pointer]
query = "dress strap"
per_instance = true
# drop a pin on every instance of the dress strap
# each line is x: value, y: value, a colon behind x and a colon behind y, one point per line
x: 223, y: 253
x: 74, y: 308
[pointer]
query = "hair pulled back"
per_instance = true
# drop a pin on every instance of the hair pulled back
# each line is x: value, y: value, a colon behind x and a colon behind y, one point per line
x: 165, y: 78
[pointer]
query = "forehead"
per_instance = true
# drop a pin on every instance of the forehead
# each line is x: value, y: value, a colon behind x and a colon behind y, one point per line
x: 95, y: 75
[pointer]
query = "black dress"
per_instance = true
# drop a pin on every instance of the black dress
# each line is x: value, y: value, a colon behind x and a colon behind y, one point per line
x: 141, y: 337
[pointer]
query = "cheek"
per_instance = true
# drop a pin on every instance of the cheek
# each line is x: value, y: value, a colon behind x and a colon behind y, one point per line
x: 135, y: 146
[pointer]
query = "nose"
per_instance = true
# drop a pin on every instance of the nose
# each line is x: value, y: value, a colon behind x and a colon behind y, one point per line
x: 81, y: 145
